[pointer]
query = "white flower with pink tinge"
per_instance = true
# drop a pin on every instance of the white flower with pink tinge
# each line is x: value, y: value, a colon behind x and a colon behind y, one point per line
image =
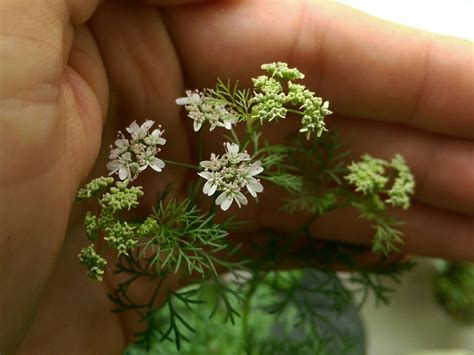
x: 202, y: 108
x: 229, y: 174
x: 131, y: 156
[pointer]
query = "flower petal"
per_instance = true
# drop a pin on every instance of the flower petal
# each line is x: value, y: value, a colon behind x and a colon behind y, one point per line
x: 207, y: 186
x: 212, y: 190
x: 147, y: 125
x: 181, y: 101
x: 157, y: 164
x: 255, y: 168
x: 240, y: 198
x: 133, y: 128
x: 197, y: 125
x: 123, y: 173
x: 226, y: 203
x: 205, y: 175
x: 221, y: 197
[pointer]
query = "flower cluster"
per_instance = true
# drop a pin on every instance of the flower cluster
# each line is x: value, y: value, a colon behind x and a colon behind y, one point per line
x: 202, y: 108
x: 230, y: 173
x: 121, y: 236
x: 313, y: 108
x: 132, y: 156
x: 281, y: 70
x: 369, y: 176
x: 270, y: 101
x: 94, y: 262
x: 404, y: 184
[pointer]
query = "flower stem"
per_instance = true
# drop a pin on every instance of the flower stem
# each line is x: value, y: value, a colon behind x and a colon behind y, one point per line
x: 182, y: 165
x: 235, y: 137
x: 295, y: 111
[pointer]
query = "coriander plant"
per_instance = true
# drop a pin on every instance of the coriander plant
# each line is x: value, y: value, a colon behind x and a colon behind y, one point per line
x: 180, y: 237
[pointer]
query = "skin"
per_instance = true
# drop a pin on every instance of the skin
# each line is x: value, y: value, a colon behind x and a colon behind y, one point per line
x: 66, y: 66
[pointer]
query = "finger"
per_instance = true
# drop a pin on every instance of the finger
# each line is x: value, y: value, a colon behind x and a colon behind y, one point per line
x: 35, y: 42
x: 442, y: 165
x: 75, y: 309
x: 145, y: 78
x: 366, y: 67
x: 45, y: 106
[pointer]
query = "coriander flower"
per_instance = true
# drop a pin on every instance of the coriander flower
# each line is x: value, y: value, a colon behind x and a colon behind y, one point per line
x: 132, y: 156
x: 202, y: 108
x: 229, y: 174
x: 281, y: 70
x: 94, y: 262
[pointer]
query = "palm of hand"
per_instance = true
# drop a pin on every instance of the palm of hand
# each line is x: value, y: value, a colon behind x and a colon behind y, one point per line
x: 150, y: 56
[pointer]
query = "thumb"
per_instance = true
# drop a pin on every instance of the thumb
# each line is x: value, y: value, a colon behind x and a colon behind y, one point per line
x: 53, y: 98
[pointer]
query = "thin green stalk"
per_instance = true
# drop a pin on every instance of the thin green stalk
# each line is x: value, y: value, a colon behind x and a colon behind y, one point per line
x: 295, y: 111
x: 201, y: 144
x: 182, y: 165
x: 235, y: 137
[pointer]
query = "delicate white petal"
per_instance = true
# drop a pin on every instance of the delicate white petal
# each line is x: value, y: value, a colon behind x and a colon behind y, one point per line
x: 251, y: 190
x: 255, y: 168
x: 205, y: 164
x: 147, y: 125
x: 133, y: 128
x: 207, y: 186
x: 114, y: 165
x: 221, y: 197
x: 226, y: 203
x: 157, y: 164
x: 234, y: 148
x: 204, y: 174
x: 212, y: 190
x: 123, y: 173
x: 183, y: 101
x: 197, y: 125
x: 244, y: 156
x: 231, y: 147
x: 240, y: 197
x: 254, y: 186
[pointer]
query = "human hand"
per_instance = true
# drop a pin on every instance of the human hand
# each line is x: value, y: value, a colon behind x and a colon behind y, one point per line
x: 382, y: 81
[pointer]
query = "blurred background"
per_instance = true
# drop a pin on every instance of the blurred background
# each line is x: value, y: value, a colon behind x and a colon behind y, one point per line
x: 415, y: 323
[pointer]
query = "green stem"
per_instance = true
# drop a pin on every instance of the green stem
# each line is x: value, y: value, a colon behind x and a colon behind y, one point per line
x: 201, y: 144
x: 182, y: 165
x: 235, y: 137
x: 295, y: 111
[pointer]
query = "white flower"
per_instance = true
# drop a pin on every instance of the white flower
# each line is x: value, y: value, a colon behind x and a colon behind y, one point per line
x: 139, y: 132
x: 233, y: 153
x: 253, y: 185
x: 212, y: 182
x: 121, y: 168
x: 226, y: 198
x: 155, y: 138
x: 132, y: 156
x: 229, y: 174
x: 191, y: 98
x: 203, y: 108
